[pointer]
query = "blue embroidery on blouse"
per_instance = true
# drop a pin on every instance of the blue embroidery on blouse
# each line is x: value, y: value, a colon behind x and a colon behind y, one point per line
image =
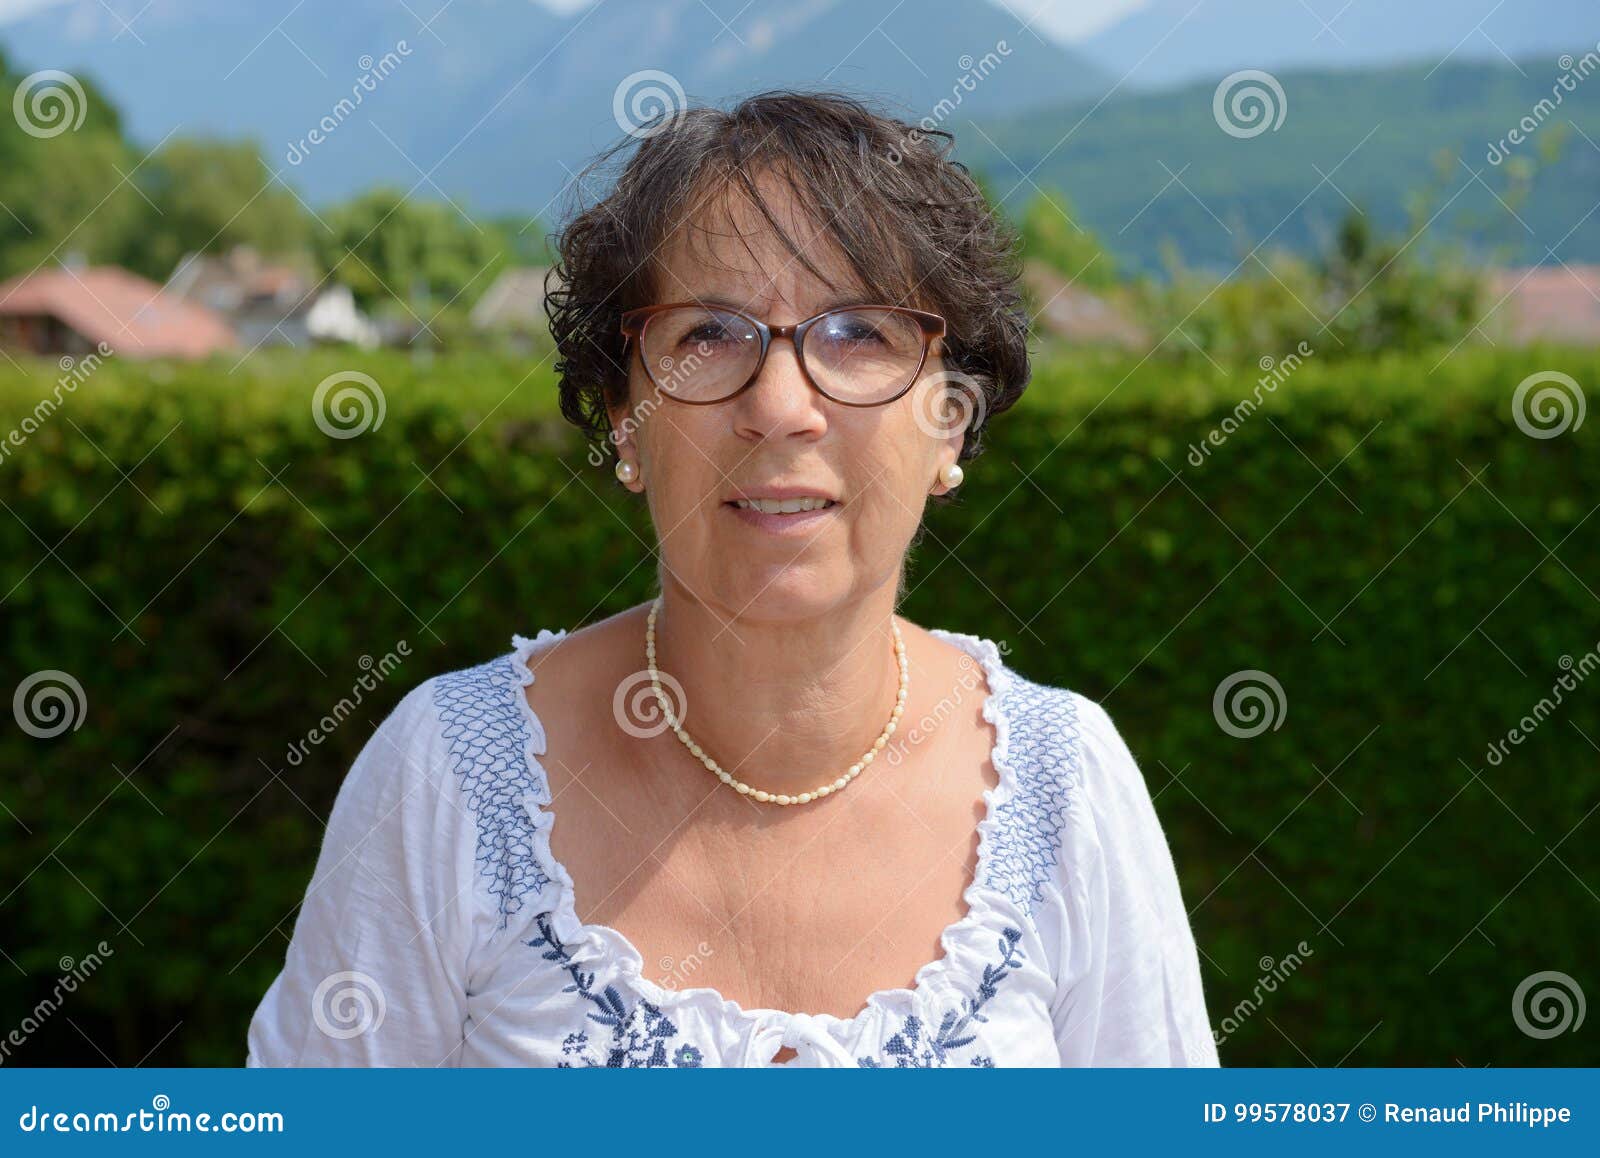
x: 913, y: 1047
x: 639, y: 1036
x: 487, y: 734
x: 1046, y: 754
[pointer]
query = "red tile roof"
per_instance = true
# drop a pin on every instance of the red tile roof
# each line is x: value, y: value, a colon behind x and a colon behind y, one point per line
x: 129, y: 314
x: 1551, y: 303
x: 1069, y: 311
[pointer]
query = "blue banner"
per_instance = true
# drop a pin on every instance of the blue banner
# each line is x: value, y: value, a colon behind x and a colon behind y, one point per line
x: 308, y: 1112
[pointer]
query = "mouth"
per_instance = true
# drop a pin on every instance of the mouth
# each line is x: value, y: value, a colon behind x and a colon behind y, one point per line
x: 792, y: 506
x: 782, y: 510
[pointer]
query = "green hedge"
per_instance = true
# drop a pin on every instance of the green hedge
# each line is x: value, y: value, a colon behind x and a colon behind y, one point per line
x: 1380, y: 537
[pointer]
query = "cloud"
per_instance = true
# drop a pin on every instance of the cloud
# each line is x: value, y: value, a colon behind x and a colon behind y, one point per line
x: 1071, y: 20
x: 1067, y: 20
x: 1058, y: 19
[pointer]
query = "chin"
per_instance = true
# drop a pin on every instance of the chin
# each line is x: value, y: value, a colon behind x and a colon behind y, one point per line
x: 783, y: 592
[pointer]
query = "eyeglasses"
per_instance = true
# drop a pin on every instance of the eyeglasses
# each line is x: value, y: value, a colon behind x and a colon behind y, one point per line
x: 855, y: 355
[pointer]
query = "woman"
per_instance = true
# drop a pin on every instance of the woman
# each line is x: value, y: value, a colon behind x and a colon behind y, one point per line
x: 794, y: 827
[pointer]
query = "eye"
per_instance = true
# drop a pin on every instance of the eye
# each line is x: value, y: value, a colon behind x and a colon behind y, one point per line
x: 854, y: 329
x: 711, y: 330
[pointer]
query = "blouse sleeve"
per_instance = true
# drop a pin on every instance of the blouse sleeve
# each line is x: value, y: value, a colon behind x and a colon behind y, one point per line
x: 1131, y: 992
x: 374, y: 973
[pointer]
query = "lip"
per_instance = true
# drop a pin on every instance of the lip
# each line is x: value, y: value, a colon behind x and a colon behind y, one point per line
x: 780, y: 492
x: 795, y: 523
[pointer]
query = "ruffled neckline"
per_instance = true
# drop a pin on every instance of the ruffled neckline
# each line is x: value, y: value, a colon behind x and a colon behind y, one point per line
x: 955, y: 971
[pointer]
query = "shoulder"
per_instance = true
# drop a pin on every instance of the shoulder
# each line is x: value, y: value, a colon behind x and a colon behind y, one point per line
x: 1070, y: 739
x: 423, y: 736
x: 452, y: 774
x: 1062, y: 737
x: 1115, y: 858
x: 1038, y: 758
x: 1074, y: 790
x: 481, y: 714
x: 490, y: 742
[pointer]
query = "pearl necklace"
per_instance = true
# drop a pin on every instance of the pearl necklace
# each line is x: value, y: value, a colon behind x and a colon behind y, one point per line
x: 739, y: 785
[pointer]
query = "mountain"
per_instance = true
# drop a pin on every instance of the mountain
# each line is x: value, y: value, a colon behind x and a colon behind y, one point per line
x: 1150, y: 169
x: 498, y: 102
x: 1170, y: 41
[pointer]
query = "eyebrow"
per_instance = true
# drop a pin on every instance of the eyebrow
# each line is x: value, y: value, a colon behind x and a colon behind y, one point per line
x: 834, y: 303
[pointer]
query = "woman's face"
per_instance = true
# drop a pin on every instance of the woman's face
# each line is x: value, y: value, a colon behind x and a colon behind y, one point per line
x: 877, y: 464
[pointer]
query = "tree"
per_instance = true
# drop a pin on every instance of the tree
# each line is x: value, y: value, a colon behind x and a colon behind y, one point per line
x: 62, y: 165
x: 428, y: 254
x: 211, y: 195
x: 1053, y: 234
x: 1381, y: 294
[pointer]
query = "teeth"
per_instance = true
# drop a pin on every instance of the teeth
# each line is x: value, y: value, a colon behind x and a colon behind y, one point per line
x: 784, y: 506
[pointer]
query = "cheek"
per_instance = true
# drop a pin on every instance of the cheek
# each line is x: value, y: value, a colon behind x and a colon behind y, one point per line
x: 677, y: 446
x: 914, y: 449
x: 897, y: 468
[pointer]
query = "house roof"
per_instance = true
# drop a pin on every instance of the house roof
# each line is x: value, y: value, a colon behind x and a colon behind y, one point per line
x: 238, y: 279
x: 1074, y: 313
x: 1548, y: 303
x: 131, y: 315
x: 515, y: 299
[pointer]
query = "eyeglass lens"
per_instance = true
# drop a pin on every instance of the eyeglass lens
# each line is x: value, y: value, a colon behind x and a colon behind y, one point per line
x: 859, y: 355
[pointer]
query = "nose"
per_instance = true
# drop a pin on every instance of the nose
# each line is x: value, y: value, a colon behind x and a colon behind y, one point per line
x: 780, y: 402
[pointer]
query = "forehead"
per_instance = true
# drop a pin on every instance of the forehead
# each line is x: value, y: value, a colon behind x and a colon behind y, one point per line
x: 724, y: 248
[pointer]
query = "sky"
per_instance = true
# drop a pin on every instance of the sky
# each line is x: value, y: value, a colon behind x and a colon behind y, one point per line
x: 1066, y: 20
x: 1062, y: 19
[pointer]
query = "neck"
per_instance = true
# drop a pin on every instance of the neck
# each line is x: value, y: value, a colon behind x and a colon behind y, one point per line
x: 784, y: 706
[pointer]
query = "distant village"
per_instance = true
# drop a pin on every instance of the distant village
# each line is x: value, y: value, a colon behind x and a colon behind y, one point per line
x: 235, y: 302
x: 238, y: 302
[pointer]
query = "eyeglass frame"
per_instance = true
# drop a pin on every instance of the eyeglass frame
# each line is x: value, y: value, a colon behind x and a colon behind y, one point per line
x: 635, y: 321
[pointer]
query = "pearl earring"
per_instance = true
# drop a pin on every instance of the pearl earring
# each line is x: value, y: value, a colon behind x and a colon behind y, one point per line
x: 626, y: 471
x: 951, y: 475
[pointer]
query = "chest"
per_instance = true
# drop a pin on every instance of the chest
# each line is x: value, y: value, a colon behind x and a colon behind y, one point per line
x: 813, y: 910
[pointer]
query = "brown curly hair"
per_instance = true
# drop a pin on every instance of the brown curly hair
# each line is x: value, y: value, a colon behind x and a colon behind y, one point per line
x: 914, y: 226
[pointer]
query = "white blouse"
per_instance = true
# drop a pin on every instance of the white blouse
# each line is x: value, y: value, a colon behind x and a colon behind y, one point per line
x: 439, y: 930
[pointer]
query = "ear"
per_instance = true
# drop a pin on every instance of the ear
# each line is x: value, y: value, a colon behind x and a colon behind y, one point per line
x: 957, y: 412
x: 622, y: 420
x: 623, y: 444
x: 949, y: 454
